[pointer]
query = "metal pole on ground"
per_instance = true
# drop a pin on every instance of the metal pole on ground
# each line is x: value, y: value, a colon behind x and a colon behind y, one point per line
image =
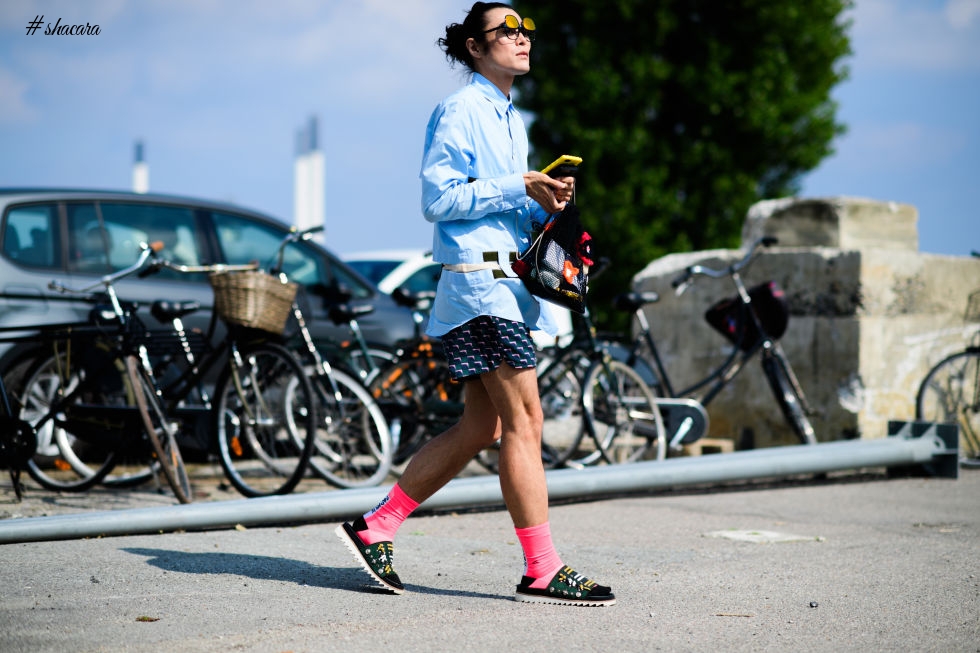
x: 929, y: 448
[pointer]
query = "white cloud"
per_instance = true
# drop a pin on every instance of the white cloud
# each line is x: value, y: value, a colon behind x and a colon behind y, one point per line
x: 962, y: 13
x: 363, y: 51
x: 14, y: 107
x: 904, y: 145
x: 905, y: 35
x: 15, y: 16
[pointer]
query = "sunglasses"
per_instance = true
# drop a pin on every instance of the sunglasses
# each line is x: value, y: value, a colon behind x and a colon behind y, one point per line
x: 511, y: 28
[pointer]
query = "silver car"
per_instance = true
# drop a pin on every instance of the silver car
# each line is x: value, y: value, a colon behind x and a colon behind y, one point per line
x: 76, y: 236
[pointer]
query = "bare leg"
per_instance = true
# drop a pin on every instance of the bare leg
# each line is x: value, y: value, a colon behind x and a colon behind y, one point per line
x: 514, y: 393
x: 443, y: 457
x: 503, y: 403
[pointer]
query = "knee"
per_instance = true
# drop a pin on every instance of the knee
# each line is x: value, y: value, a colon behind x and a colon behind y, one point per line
x: 483, y: 432
x: 527, y: 423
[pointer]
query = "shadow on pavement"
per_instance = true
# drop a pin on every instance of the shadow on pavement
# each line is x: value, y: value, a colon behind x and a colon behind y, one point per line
x: 280, y: 569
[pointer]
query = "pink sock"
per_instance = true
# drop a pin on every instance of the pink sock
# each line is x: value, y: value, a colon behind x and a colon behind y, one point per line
x: 541, y: 561
x: 385, y: 518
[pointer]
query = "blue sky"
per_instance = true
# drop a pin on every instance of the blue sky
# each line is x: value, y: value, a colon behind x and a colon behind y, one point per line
x: 218, y: 90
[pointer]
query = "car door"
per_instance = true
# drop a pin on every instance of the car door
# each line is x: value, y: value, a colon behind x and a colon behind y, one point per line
x: 31, y: 258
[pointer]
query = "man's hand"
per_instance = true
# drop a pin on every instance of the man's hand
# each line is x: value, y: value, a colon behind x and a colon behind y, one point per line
x: 551, y: 194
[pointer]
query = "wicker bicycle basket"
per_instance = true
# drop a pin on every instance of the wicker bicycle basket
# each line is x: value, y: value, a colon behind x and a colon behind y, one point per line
x: 253, y: 298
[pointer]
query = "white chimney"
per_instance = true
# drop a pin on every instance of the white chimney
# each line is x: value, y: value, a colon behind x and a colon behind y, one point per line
x: 309, y: 208
x: 141, y: 171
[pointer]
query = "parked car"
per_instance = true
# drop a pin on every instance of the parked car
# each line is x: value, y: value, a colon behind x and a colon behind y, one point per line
x: 411, y: 269
x: 76, y: 236
x: 415, y: 271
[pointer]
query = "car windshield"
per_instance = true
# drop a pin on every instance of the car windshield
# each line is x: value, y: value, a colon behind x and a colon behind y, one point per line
x: 374, y: 271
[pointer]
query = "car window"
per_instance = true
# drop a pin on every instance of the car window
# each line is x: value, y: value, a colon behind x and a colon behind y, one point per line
x: 127, y: 225
x: 374, y: 271
x: 108, y: 237
x: 87, y: 241
x: 31, y: 236
x: 243, y: 240
x: 423, y: 280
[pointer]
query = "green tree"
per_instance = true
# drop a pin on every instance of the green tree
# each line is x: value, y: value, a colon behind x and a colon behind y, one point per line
x: 685, y: 112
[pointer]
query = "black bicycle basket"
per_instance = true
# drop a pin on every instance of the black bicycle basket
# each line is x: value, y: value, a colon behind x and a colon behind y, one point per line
x: 729, y: 317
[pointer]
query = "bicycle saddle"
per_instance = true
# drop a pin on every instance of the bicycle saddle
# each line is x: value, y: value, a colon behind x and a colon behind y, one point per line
x: 341, y: 313
x: 632, y: 301
x: 167, y: 311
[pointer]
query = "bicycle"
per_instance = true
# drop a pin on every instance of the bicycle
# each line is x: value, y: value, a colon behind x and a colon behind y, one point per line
x: 411, y: 382
x: 416, y: 391
x: 101, y: 392
x: 18, y: 442
x: 414, y: 388
x: 354, y: 446
x: 262, y: 419
x: 596, y: 408
x: 950, y: 393
x: 753, y: 332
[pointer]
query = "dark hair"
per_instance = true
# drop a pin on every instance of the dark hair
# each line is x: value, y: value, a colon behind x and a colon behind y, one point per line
x: 454, y: 43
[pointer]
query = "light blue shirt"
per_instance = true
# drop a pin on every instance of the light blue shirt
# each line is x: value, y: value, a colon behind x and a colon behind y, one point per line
x: 473, y: 192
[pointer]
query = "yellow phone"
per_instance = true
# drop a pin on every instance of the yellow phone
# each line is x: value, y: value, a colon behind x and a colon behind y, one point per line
x: 564, y: 166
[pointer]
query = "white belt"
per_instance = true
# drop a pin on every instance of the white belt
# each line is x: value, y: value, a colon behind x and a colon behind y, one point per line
x: 491, y: 261
x: 471, y: 267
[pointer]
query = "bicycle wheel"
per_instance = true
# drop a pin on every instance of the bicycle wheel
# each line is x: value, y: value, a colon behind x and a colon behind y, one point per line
x: 950, y: 394
x: 366, y: 368
x: 160, y: 429
x: 17, y: 443
x: 77, y: 447
x: 353, y: 445
x: 265, y: 418
x: 562, y: 427
x: 560, y: 388
x: 788, y: 394
x: 419, y: 398
x: 621, y: 417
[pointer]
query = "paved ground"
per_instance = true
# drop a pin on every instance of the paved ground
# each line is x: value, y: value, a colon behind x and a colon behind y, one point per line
x: 856, y: 562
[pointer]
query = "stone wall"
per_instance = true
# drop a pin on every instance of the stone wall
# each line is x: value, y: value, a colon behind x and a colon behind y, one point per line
x: 869, y: 316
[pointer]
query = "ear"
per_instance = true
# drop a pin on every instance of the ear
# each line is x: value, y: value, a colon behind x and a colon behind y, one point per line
x: 473, y: 48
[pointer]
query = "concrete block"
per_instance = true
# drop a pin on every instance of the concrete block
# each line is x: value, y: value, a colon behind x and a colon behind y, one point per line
x: 847, y: 223
x: 866, y: 325
x: 706, y: 446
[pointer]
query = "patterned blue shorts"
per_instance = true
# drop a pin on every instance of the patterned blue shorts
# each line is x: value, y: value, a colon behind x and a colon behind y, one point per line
x: 484, y: 342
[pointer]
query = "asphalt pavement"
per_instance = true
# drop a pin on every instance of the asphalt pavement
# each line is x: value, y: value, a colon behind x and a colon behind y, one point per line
x: 856, y: 561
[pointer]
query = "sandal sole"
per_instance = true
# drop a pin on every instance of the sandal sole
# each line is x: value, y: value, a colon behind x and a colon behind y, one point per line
x: 556, y: 600
x: 354, y: 548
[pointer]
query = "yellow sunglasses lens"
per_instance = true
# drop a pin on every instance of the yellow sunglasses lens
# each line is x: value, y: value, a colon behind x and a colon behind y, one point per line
x: 511, y: 22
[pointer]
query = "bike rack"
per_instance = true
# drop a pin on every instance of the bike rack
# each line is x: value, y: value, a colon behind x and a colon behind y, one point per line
x: 911, y: 448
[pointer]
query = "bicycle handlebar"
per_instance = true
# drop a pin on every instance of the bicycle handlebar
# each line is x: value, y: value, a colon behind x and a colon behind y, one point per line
x: 214, y: 267
x: 294, y: 236
x: 146, y: 251
x: 685, y: 278
x: 600, y: 266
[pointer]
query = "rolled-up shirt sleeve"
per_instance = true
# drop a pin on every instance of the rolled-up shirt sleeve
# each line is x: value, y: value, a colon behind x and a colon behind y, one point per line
x: 455, y: 184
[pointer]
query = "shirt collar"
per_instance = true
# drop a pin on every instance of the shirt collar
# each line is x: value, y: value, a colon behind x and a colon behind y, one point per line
x: 487, y: 88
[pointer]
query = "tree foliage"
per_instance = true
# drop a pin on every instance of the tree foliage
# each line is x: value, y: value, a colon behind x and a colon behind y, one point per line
x: 685, y: 112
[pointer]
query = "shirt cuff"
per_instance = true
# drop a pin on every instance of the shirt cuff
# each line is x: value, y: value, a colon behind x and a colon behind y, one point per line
x: 514, y: 193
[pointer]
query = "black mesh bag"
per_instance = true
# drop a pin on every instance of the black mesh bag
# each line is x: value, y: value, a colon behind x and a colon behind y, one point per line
x: 555, y: 266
